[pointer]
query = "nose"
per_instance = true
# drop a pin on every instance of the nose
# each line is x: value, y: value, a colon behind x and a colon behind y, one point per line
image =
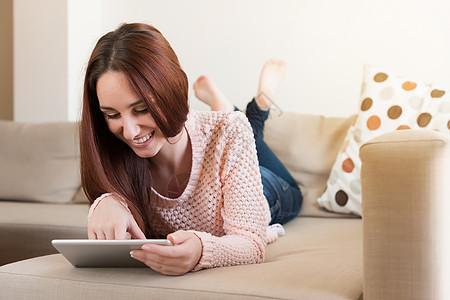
x: 130, y: 128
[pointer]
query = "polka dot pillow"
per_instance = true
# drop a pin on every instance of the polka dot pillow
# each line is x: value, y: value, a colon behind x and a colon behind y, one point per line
x: 388, y: 103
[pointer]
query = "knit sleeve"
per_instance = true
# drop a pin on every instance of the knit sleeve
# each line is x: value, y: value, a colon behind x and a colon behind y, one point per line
x: 244, y: 210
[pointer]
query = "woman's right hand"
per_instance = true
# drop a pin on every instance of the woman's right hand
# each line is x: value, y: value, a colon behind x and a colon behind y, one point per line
x: 113, y: 221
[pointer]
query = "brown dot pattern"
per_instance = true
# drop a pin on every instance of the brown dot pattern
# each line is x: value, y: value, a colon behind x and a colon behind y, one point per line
x: 394, y: 112
x: 424, y: 119
x: 341, y: 198
x: 380, y: 77
x: 388, y: 103
x: 437, y: 93
x: 366, y: 104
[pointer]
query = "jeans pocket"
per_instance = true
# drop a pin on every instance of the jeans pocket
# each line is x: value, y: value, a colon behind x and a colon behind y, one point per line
x: 283, y: 184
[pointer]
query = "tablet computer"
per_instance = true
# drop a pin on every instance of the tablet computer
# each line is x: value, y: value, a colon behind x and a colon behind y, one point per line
x: 103, y: 253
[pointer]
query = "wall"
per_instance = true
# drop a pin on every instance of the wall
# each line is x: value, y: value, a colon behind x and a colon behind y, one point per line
x: 6, y: 58
x: 84, y: 28
x: 40, y: 60
x: 324, y: 42
x: 52, y: 43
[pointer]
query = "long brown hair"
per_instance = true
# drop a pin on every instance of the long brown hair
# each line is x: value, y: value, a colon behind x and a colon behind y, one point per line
x: 148, y: 61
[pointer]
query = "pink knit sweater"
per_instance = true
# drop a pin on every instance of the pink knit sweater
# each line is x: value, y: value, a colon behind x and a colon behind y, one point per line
x: 223, y: 203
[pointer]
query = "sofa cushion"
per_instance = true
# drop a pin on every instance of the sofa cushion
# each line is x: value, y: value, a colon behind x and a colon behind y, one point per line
x: 80, y: 196
x: 307, y: 145
x: 388, y: 103
x: 28, y: 227
x: 318, y: 258
x: 38, y: 162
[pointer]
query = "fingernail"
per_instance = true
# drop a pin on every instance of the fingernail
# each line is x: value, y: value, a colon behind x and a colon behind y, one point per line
x: 131, y: 253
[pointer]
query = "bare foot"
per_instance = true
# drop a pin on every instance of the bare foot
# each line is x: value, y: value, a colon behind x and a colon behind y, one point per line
x: 272, y: 75
x: 208, y: 92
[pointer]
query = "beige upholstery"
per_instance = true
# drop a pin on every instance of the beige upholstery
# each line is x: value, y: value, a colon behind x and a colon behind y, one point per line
x: 80, y: 197
x: 318, y: 258
x: 406, y: 238
x: 406, y: 206
x: 26, y: 229
x: 307, y: 145
x: 38, y: 162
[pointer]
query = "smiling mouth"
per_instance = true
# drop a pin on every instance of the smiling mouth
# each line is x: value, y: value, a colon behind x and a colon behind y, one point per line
x: 143, y: 139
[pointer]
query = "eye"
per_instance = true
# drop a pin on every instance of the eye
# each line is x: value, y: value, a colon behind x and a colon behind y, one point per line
x: 110, y: 117
x: 141, y: 111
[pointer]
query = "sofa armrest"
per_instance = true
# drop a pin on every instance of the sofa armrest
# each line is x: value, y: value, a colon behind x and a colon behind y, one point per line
x: 405, y: 179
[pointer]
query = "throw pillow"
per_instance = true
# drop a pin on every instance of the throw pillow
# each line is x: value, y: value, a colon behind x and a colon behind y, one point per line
x: 388, y: 103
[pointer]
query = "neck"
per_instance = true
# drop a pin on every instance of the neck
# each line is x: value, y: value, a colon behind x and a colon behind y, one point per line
x: 174, y: 154
x: 171, y: 167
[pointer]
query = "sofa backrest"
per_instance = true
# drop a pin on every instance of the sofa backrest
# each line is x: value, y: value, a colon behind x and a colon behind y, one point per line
x: 307, y: 145
x: 39, y: 162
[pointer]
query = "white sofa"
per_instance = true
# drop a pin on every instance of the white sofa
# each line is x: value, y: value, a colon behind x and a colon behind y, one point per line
x: 320, y: 257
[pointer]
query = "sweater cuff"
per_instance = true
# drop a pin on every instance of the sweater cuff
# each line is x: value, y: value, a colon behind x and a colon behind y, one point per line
x: 99, y: 199
x: 208, y: 245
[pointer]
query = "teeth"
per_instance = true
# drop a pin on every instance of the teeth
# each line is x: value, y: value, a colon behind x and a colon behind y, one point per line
x: 143, y: 139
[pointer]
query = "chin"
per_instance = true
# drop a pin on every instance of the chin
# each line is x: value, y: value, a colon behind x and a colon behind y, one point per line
x: 145, y: 153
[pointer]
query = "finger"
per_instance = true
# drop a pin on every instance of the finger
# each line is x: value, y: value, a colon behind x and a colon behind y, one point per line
x: 153, y: 257
x: 91, y: 234
x: 168, y: 259
x: 162, y: 252
x: 109, y: 233
x: 167, y: 270
x: 179, y: 237
x: 120, y: 232
x: 100, y: 235
x: 92, y: 231
x: 147, y: 258
x: 135, y: 231
x: 166, y: 267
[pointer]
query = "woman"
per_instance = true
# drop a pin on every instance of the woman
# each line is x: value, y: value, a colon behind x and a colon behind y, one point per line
x: 152, y: 169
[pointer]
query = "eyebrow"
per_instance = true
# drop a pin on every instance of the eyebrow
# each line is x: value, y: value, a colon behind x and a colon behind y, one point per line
x: 129, y: 106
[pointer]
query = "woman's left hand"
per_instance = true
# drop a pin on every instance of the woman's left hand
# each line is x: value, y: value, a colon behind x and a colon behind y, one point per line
x: 178, y: 259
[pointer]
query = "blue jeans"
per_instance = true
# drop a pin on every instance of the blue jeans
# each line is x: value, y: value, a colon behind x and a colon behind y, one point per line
x: 279, y: 188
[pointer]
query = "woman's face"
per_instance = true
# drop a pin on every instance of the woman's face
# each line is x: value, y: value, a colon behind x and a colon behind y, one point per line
x: 127, y: 116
